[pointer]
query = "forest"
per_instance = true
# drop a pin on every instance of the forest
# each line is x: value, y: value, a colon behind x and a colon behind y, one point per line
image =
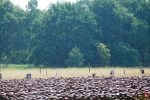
x: 88, y: 32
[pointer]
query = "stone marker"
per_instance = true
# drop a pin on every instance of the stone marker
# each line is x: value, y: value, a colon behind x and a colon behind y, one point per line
x: 28, y: 76
x: 142, y: 71
x: 112, y: 72
x: 93, y: 75
x: 0, y: 76
x: 56, y: 75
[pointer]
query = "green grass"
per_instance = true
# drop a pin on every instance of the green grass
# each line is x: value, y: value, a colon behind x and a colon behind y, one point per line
x: 14, y: 66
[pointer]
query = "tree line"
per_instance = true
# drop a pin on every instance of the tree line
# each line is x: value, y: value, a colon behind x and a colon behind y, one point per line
x: 88, y: 32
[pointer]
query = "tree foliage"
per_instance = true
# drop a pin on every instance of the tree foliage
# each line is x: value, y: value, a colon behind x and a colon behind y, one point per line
x: 75, y: 58
x: 99, y: 28
x: 104, y: 54
x: 124, y: 55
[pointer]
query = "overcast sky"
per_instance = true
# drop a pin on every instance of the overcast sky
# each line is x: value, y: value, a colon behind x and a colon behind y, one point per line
x: 42, y: 4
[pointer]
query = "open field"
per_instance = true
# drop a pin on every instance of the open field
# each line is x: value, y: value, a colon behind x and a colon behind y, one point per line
x: 69, y: 72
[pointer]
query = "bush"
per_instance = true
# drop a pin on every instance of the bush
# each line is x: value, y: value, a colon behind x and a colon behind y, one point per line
x: 104, y: 54
x: 75, y: 58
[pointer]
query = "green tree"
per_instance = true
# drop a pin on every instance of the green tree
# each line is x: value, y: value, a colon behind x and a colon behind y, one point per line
x: 119, y: 24
x: 34, y: 19
x: 141, y: 37
x: 20, y: 41
x: 75, y: 58
x: 32, y: 5
x: 8, y: 27
x: 104, y: 54
x: 124, y: 55
x: 45, y: 37
x: 65, y: 25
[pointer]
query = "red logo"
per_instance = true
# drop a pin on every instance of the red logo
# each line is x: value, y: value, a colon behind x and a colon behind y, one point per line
x: 145, y: 95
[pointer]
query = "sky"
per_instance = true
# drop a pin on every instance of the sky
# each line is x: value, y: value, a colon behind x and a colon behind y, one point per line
x: 42, y: 4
